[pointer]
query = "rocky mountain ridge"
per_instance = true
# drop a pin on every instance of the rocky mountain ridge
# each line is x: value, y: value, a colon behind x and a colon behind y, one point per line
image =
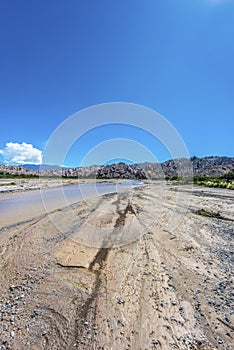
x: 211, y: 166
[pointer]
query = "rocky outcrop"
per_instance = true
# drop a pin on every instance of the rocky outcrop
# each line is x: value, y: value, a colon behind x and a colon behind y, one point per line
x: 15, y: 170
x: 121, y: 171
x: 213, y: 166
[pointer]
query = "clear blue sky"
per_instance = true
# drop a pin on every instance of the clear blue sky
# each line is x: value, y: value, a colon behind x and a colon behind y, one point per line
x: 174, y: 56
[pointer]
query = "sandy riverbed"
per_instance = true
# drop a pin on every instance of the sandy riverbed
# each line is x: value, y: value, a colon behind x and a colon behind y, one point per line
x: 18, y: 185
x: 156, y: 274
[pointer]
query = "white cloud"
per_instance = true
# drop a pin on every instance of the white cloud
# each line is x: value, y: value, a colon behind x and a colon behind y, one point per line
x: 21, y: 153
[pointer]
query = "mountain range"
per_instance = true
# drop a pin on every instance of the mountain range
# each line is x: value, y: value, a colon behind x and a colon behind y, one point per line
x: 211, y: 166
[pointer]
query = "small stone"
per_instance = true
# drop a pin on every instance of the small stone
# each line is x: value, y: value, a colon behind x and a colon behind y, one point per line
x: 219, y: 340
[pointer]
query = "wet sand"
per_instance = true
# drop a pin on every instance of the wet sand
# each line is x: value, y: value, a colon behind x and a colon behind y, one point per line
x: 136, y: 270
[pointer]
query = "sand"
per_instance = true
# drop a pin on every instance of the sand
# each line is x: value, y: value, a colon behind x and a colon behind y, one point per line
x: 136, y: 270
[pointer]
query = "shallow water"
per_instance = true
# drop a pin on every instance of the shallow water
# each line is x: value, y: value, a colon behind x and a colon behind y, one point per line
x: 35, y: 203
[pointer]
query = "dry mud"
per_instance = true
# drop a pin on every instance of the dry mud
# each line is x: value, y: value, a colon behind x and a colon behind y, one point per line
x: 157, y: 274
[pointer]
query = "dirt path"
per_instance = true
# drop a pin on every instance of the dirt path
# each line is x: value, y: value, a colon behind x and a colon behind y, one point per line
x: 158, y: 274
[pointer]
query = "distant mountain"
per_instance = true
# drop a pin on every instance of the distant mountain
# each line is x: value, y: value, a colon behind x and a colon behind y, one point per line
x: 38, y: 167
x: 212, y: 166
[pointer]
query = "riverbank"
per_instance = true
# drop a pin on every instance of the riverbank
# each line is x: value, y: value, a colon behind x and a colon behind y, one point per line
x: 157, y: 274
x: 14, y: 185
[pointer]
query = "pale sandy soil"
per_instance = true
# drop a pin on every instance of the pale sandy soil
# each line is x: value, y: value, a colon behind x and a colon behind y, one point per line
x: 16, y: 184
x: 158, y: 276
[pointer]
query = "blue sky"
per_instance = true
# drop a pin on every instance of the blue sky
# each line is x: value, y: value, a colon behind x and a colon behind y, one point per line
x: 58, y: 57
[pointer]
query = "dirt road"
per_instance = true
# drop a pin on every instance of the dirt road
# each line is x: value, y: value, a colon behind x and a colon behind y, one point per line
x: 151, y: 268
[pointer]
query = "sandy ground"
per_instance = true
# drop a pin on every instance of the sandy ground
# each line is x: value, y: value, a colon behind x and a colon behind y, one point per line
x: 19, y: 185
x: 156, y: 274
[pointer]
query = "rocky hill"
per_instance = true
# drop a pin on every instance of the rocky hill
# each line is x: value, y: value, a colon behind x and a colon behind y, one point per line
x: 122, y: 171
x: 15, y: 170
x: 212, y: 166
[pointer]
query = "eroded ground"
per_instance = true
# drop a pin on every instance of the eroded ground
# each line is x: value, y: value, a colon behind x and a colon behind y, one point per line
x: 159, y: 274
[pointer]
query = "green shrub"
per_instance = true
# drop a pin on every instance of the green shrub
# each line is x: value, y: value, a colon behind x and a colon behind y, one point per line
x: 8, y: 184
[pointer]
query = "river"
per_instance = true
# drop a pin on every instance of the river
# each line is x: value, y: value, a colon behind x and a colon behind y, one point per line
x: 30, y: 204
